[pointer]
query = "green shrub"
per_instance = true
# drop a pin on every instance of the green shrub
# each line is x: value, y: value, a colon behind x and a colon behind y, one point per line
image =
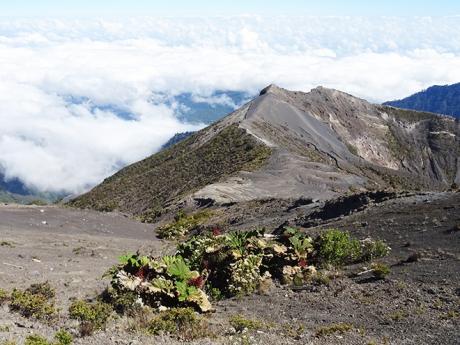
x: 36, y: 302
x: 380, y: 270
x: 183, y: 224
x: 181, y: 323
x: 373, y: 249
x: 36, y: 340
x: 320, y: 278
x: 245, y: 275
x: 43, y: 289
x: 240, y: 323
x: 224, y: 265
x: 332, y: 329
x: 63, y: 337
x: 4, y: 296
x: 92, y: 316
x: 337, y: 248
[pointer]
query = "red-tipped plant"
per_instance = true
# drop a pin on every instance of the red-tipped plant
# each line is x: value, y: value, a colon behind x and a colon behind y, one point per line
x: 197, y: 282
x: 303, y: 263
x: 216, y: 232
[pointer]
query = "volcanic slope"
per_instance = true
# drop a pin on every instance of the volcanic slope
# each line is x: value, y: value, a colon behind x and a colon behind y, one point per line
x: 286, y: 144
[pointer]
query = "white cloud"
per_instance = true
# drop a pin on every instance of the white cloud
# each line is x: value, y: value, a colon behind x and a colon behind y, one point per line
x: 52, y: 144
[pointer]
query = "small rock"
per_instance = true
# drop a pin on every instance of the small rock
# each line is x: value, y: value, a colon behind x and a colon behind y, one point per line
x: 414, y: 257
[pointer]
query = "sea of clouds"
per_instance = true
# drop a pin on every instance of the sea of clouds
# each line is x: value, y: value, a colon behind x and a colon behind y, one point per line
x: 64, y: 83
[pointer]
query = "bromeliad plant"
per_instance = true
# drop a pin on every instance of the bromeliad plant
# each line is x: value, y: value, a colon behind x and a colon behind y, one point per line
x: 236, y: 263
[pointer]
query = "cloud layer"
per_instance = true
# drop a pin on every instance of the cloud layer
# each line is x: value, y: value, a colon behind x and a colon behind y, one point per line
x: 63, y: 83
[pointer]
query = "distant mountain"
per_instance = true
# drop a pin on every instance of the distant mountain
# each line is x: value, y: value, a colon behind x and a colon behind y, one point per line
x: 286, y: 144
x: 14, y: 191
x: 436, y: 99
x: 14, y: 186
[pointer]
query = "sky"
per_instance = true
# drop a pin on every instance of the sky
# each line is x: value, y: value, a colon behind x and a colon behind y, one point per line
x: 229, y: 7
x: 68, y: 71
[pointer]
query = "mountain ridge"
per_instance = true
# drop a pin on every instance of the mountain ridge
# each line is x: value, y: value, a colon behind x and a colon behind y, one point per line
x: 288, y: 144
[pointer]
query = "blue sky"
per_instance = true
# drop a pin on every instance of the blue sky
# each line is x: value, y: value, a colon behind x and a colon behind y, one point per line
x: 227, y: 7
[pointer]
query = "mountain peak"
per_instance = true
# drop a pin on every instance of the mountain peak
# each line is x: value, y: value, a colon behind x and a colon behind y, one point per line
x: 272, y: 88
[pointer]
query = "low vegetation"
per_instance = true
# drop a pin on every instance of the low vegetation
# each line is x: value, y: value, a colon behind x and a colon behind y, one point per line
x: 233, y: 264
x: 181, y: 323
x: 333, y: 329
x: 6, y: 244
x: 4, y: 296
x: 92, y: 316
x: 380, y: 270
x: 37, y: 301
x: 183, y: 224
x: 241, y: 323
x: 338, y: 248
x: 61, y: 337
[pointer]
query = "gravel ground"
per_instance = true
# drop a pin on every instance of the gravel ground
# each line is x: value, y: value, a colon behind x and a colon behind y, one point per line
x: 419, y: 303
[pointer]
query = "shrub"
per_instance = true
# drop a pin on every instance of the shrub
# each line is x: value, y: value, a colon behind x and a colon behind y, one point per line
x: 43, y: 289
x: 335, y: 328
x: 63, y: 337
x: 92, y: 316
x: 36, y: 340
x: 380, y: 270
x: 225, y: 265
x: 36, y: 302
x: 245, y: 275
x: 166, y: 281
x: 373, y: 249
x: 321, y: 278
x: 337, y: 248
x: 182, y: 323
x: 240, y: 323
x: 4, y: 296
x: 183, y: 224
x: 121, y: 302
